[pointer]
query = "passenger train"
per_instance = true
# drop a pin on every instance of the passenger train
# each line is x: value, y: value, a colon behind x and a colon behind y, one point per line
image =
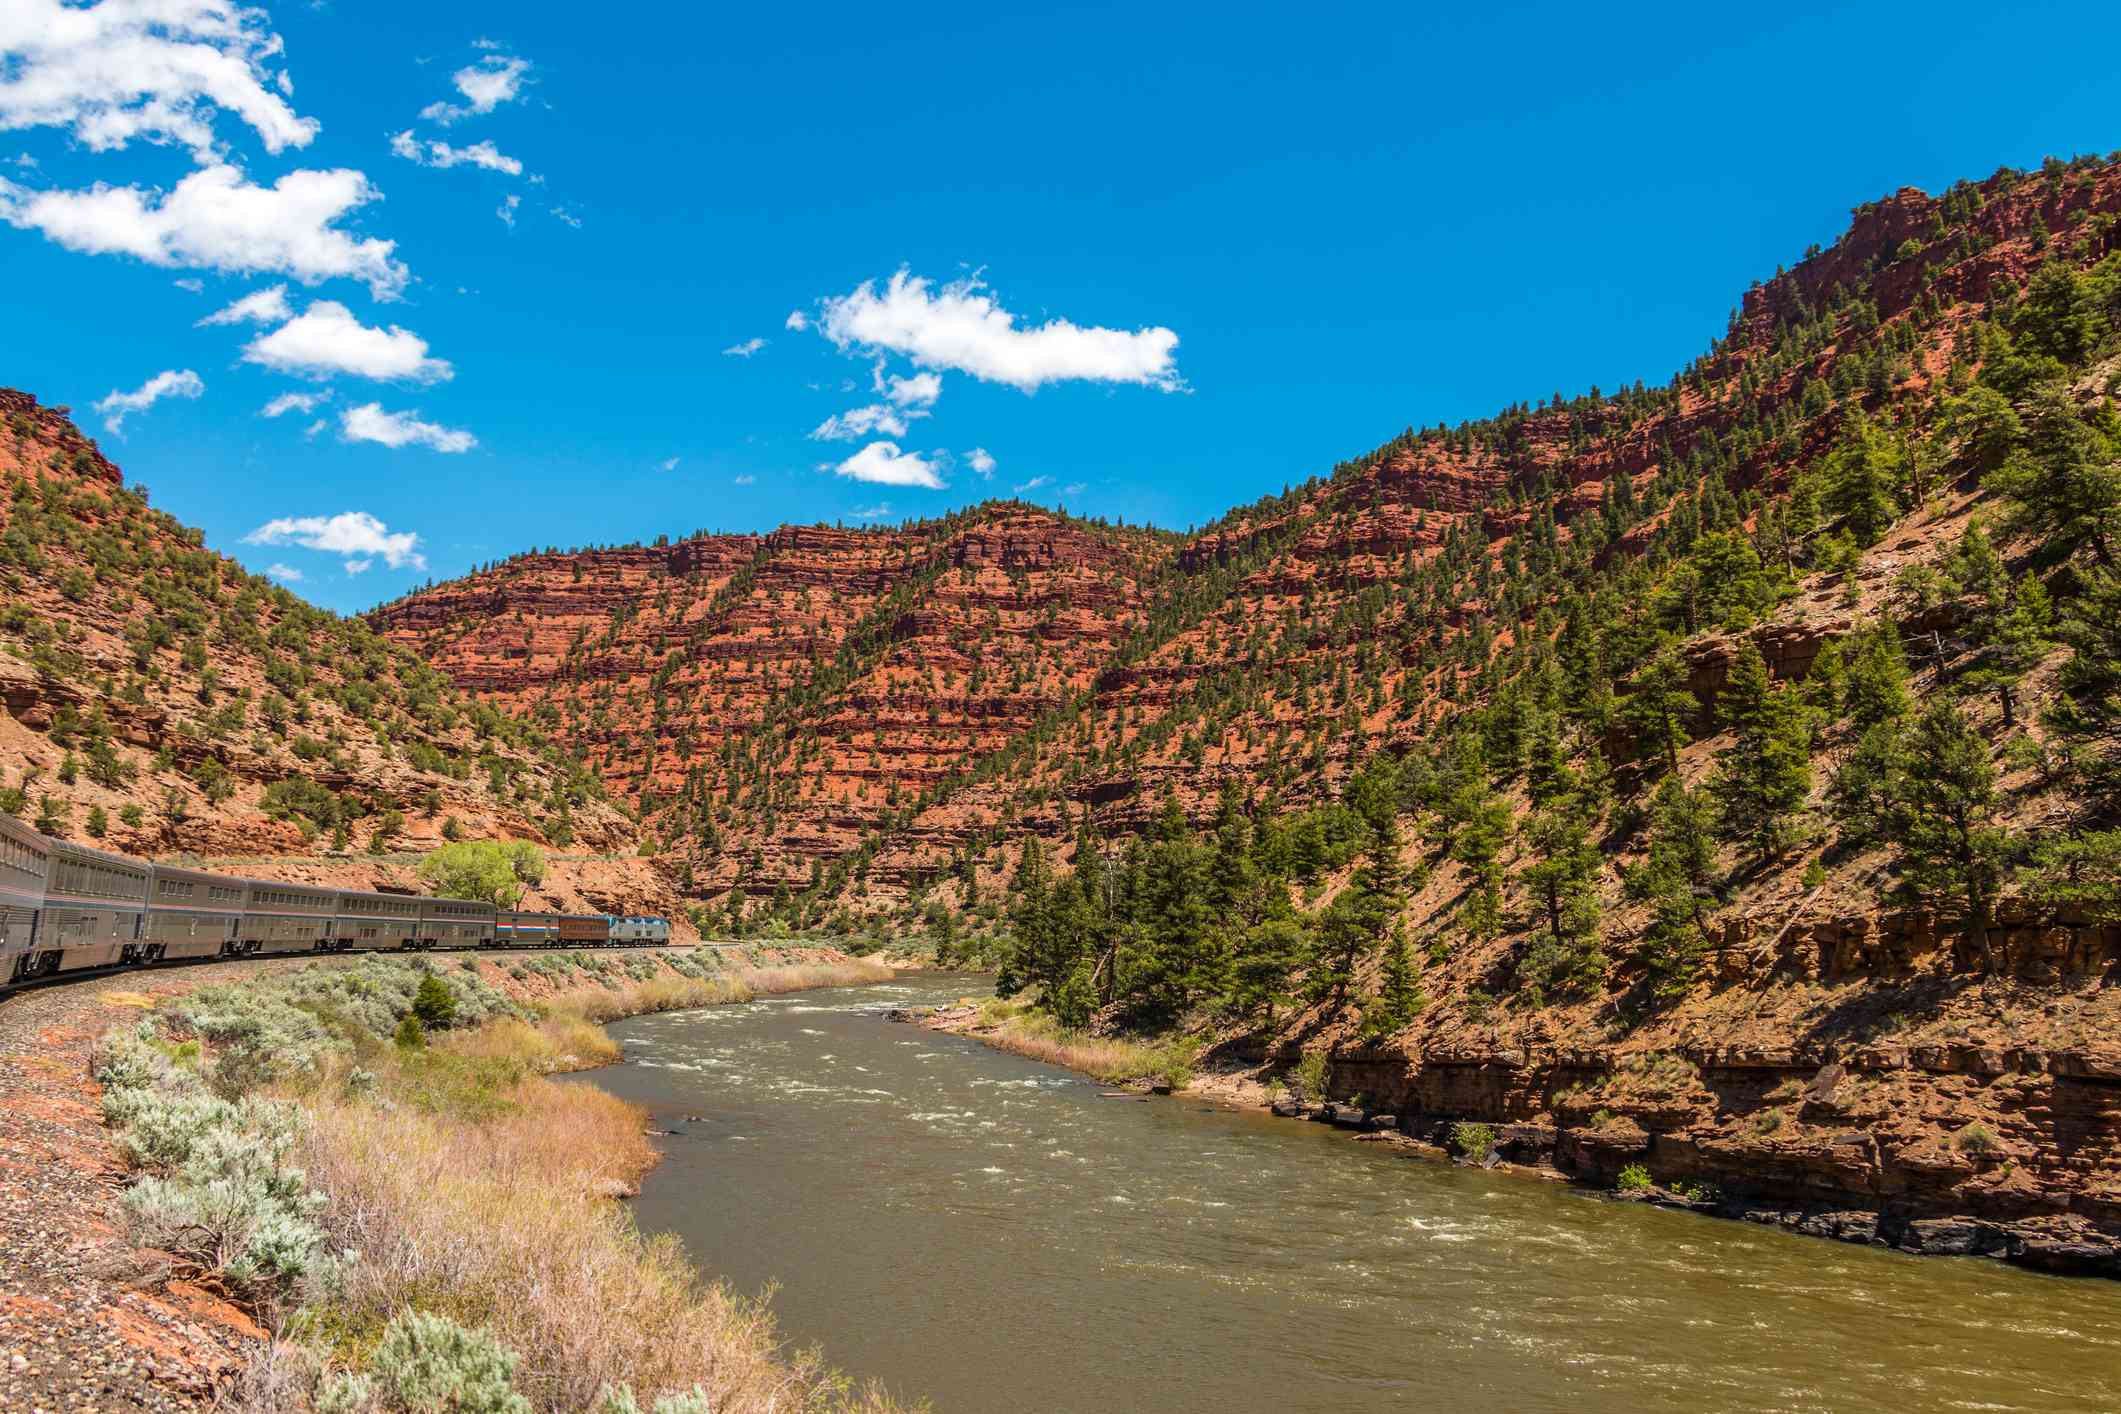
x: 65, y: 907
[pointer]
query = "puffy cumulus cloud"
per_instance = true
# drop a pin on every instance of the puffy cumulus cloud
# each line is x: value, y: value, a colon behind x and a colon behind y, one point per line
x: 294, y: 402
x: 980, y: 461
x: 286, y: 574
x: 326, y: 340
x: 150, y: 69
x: 442, y: 154
x: 797, y: 320
x: 860, y: 422
x: 170, y: 383
x: 369, y: 423
x: 745, y: 349
x: 216, y: 219
x: 485, y: 86
x: 919, y: 391
x: 266, y: 306
x: 960, y: 327
x: 885, y: 465
x: 507, y: 209
x: 357, y: 536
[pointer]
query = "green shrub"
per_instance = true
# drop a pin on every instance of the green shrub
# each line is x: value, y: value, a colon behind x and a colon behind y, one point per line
x: 434, y: 1004
x: 1633, y: 1179
x: 431, y: 1365
x: 410, y: 1035
x: 1308, y: 1081
x: 1475, y: 1141
x: 621, y: 1401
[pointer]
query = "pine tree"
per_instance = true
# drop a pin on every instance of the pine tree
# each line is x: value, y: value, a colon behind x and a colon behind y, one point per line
x: 2063, y: 482
x: 1861, y: 478
x: 1675, y: 878
x: 1951, y: 851
x: 1399, y: 999
x: 1764, y: 777
x: 1660, y: 707
x: 1358, y: 922
x: 2086, y: 718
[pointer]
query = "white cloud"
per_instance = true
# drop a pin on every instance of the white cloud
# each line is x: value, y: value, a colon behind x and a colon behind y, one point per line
x: 355, y: 534
x: 745, y: 349
x: 486, y: 85
x: 170, y: 383
x: 482, y: 42
x: 507, y: 209
x: 150, y: 69
x: 960, y: 327
x: 442, y: 154
x: 326, y: 339
x: 919, y: 391
x: 190, y: 285
x: 747, y: 479
x: 1032, y: 485
x: 266, y: 306
x: 369, y: 423
x: 561, y: 213
x: 217, y: 220
x: 1075, y: 488
x: 293, y: 402
x: 286, y: 574
x: 980, y: 461
x: 875, y: 512
x: 885, y: 465
x: 861, y: 422
x: 671, y: 463
x: 360, y: 566
x: 797, y: 320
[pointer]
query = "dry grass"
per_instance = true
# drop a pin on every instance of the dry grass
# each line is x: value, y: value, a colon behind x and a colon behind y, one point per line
x: 1112, y: 1059
x: 511, y: 1226
x: 485, y: 1193
x: 685, y: 993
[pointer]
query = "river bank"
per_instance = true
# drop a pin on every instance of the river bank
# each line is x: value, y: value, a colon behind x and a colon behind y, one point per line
x: 115, y: 1293
x: 1938, y: 1151
x: 989, y: 1232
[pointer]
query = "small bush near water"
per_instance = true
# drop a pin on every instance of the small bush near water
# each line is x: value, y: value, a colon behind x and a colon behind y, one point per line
x: 429, y: 1228
x: 1475, y: 1141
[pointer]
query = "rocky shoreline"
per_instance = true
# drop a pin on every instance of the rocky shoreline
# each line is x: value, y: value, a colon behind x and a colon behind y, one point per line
x: 2001, y: 1198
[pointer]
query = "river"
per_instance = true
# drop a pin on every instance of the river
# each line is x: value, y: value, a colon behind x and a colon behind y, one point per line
x: 989, y: 1234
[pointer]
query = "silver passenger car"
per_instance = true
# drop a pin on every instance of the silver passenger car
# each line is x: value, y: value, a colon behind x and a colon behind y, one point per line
x: 455, y: 923
x: 285, y: 918
x: 369, y: 922
x: 191, y: 913
x: 94, y: 902
x: 25, y: 861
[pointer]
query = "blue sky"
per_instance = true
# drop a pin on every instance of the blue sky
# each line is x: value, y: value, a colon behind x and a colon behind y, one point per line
x: 1158, y: 260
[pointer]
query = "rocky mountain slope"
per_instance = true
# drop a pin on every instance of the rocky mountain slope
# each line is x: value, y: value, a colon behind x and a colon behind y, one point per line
x: 1712, y: 783
x: 161, y: 701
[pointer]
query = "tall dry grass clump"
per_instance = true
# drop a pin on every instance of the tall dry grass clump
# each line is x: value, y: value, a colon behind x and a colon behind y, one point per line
x: 672, y: 993
x: 512, y: 1227
x: 1008, y: 1026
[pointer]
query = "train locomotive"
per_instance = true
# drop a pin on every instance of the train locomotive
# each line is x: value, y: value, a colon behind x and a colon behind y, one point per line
x: 66, y: 907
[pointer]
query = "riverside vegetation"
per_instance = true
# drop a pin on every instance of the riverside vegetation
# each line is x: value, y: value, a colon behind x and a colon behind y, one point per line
x: 371, y: 1158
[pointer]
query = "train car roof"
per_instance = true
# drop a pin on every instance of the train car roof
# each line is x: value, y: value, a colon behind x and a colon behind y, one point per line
x: 91, y: 852
x: 186, y: 872
x: 16, y: 830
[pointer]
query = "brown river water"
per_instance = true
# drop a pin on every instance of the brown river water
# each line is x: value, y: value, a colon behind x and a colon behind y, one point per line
x: 987, y: 1233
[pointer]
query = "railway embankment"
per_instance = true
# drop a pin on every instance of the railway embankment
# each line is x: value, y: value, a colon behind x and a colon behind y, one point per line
x: 299, y: 1183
